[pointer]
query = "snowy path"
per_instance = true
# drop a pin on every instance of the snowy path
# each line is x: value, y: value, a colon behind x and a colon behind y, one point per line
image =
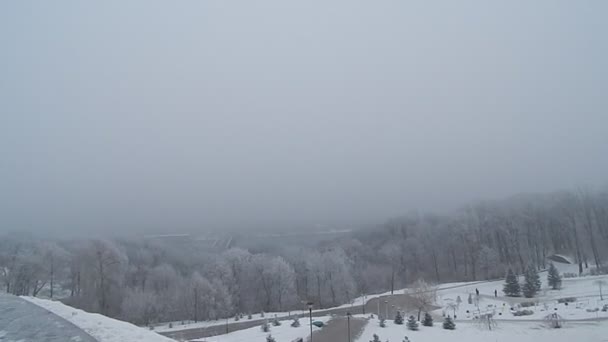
x: 25, y: 322
x: 336, y: 330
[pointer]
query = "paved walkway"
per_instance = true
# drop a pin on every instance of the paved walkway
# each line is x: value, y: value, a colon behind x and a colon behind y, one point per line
x: 337, y: 330
x: 22, y: 321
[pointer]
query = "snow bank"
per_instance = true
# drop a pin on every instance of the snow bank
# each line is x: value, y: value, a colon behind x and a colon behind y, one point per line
x: 102, y: 328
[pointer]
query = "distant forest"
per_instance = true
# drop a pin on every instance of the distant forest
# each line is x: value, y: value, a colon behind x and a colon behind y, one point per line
x: 145, y: 281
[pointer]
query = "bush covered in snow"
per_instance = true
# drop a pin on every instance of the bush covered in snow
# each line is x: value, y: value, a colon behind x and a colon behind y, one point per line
x: 566, y: 300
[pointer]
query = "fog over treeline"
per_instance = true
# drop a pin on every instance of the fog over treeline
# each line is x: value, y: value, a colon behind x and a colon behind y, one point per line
x: 141, y: 117
x: 176, y: 277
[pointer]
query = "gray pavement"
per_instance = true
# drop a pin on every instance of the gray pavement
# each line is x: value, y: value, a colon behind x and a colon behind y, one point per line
x: 22, y: 321
x: 337, y: 330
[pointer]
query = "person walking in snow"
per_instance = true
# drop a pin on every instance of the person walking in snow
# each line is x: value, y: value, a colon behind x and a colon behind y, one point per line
x: 495, y: 293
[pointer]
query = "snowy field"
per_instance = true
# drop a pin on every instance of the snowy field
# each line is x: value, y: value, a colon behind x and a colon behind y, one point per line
x: 586, y: 306
x: 102, y: 328
x: 284, y: 332
x: 503, y: 332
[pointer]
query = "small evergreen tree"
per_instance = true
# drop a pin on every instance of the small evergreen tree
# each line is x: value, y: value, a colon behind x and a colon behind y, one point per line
x: 428, y: 320
x: 398, y: 318
x: 553, y: 278
x: 411, y: 323
x: 448, y: 323
x: 382, y: 323
x: 269, y: 338
x: 470, y: 300
x: 276, y: 322
x: 375, y: 339
x: 531, y: 282
x: 296, y: 322
x: 265, y: 326
x: 249, y: 316
x: 511, y: 287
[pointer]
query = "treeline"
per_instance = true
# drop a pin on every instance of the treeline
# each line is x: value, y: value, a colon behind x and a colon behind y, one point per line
x: 147, y: 281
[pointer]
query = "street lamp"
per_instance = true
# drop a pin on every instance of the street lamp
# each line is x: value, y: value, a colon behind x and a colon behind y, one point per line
x: 310, y: 316
x: 364, y: 302
x: 386, y: 309
x: 348, y: 315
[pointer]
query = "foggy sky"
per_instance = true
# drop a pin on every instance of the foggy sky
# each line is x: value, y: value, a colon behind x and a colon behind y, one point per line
x: 179, y: 115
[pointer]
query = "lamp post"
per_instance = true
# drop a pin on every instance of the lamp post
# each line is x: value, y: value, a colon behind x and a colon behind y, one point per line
x: 364, y: 302
x: 378, y: 308
x: 348, y: 315
x: 386, y: 309
x: 226, y: 325
x: 310, y: 316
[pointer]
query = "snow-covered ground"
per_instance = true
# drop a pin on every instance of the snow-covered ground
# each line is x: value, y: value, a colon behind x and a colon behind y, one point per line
x: 584, y: 289
x: 283, y: 333
x: 102, y: 328
x: 503, y: 332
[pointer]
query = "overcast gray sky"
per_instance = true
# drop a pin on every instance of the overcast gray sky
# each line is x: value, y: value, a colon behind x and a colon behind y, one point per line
x: 184, y: 114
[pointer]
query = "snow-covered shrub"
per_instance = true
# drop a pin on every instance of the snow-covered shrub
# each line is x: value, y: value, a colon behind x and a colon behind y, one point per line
x: 570, y: 275
x: 382, y: 323
x: 276, y: 322
x: 428, y: 320
x: 296, y: 322
x: 412, y: 324
x: 567, y: 300
x: 265, y: 327
x: 375, y: 339
x: 526, y: 304
x: 598, y: 270
x: 448, y: 323
x: 398, y: 318
x: 249, y: 316
x: 269, y: 338
x: 605, y: 308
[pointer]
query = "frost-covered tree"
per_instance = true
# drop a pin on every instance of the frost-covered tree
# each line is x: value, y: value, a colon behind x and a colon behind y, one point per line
x: 423, y: 295
x: 511, y: 287
x: 488, y: 261
x: 553, y: 278
x: 139, y: 307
